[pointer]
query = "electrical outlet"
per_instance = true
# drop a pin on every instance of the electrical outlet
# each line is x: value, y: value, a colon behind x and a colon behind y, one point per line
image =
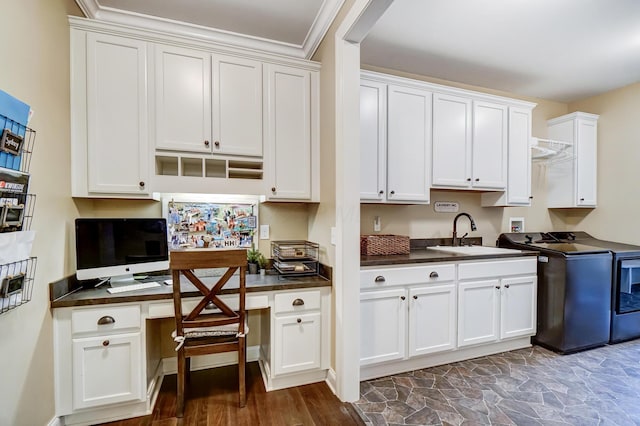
x: 264, y: 232
x: 377, y: 225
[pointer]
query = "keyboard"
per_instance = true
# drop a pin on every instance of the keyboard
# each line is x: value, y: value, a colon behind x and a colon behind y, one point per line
x: 133, y: 287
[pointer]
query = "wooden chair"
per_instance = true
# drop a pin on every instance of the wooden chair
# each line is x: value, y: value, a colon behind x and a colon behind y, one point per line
x: 200, y: 333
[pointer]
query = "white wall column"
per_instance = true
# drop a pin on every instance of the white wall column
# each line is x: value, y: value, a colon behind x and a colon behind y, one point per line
x: 363, y: 14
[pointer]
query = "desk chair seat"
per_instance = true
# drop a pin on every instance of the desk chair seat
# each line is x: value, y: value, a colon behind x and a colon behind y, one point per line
x: 201, y: 333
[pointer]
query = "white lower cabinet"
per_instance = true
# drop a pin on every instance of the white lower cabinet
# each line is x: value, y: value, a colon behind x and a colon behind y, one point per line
x: 106, y: 369
x: 419, y: 316
x: 478, y: 304
x: 432, y: 319
x: 518, y: 307
x: 383, y: 319
x: 297, y: 341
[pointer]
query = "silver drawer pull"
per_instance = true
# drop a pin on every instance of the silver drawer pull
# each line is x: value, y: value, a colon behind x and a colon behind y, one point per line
x: 434, y: 274
x: 107, y: 319
x: 298, y: 302
x: 379, y: 279
x: 210, y: 306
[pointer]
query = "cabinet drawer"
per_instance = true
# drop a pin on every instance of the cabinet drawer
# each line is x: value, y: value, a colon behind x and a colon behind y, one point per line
x: 297, y: 301
x: 165, y: 309
x: 105, y: 319
x: 374, y: 278
x: 492, y: 269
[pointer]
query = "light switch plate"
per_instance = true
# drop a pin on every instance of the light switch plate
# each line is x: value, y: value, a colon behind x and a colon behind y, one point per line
x: 264, y: 232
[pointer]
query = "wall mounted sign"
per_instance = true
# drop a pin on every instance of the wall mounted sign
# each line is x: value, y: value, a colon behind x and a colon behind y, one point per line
x: 446, y: 206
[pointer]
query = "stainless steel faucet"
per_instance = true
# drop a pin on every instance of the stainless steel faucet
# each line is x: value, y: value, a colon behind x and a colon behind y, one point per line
x: 455, y: 225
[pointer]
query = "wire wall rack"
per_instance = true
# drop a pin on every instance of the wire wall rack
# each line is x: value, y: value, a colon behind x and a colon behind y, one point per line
x: 16, y: 283
x: 17, y: 207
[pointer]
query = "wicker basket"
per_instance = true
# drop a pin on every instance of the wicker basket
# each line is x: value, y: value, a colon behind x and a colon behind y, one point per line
x: 377, y: 245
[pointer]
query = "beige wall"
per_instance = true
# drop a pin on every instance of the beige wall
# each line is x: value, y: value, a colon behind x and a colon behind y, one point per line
x: 36, y: 70
x: 615, y: 218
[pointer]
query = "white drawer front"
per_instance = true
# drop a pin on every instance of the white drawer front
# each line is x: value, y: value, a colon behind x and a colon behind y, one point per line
x: 375, y: 278
x: 105, y: 319
x: 165, y: 309
x: 496, y: 268
x: 297, y: 301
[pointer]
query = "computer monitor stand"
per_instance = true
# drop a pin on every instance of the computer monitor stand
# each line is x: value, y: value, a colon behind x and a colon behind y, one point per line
x: 122, y: 280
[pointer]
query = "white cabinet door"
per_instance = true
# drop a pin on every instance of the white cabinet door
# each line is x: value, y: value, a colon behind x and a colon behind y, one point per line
x: 478, y: 312
x: 519, y: 158
x: 297, y: 343
x: 489, y: 146
x: 183, y: 99
x: 572, y: 181
x: 451, y: 141
x: 408, y: 144
x: 518, y: 307
x: 117, y: 115
x: 237, y: 106
x: 432, y: 319
x: 289, y: 133
x: 586, y: 162
x: 383, y: 318
x: 373, y: 140
x: 106, y: 370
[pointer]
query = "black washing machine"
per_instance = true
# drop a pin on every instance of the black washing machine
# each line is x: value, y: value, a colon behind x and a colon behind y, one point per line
x: 574, y: 290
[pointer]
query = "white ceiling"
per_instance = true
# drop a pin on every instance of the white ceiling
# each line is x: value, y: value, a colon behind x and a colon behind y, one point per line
x: 561, y: 50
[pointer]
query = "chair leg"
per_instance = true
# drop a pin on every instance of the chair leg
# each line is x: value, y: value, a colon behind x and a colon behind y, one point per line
x: 242, y: 360
x: 181, y: 383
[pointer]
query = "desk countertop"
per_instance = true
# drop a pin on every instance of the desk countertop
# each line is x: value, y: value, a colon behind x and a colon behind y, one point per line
x: 69, y: 291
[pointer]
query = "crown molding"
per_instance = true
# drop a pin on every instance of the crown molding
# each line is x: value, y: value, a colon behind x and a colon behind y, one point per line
x: 327, y: 13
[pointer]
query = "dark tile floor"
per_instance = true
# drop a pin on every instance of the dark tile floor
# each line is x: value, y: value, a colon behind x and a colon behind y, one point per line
x: 531, y: 386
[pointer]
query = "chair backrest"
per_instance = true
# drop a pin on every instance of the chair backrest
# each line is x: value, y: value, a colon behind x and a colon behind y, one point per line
x: 184, y: 263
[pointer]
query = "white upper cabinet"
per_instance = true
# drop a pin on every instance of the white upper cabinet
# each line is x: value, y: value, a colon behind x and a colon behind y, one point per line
x: 469, y: 143
x: 153, y: 114
x: 518, y: 191
x: 572, y: 182
x: 395, y: 142
x: 489, y: 156
x: 373, y: 140
x: 292, y: 133
x: 109, y: 135
x: 451, y: 141
x: 183, y: 99
x: 237, y: 106
x: 208, y: 103
x: 408, y: 144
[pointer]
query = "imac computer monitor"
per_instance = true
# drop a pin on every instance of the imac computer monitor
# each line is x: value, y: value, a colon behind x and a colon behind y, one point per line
x: 119, y: 248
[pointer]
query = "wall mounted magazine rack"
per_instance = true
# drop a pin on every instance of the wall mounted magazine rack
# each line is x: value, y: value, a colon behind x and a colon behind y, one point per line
x: 16, y: 209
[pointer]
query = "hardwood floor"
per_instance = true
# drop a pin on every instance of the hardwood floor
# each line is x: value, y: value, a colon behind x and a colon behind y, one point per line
x: 212, y: 399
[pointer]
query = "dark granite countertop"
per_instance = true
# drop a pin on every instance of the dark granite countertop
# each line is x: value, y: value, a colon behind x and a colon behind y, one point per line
x: 70, y: 292
x: 427, y: 255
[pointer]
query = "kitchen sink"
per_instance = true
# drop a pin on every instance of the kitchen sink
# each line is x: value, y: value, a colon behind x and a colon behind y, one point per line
x: 474, y: 250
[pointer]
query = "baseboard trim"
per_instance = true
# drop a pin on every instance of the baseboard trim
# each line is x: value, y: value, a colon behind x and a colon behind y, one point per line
x: 55, y: 422
x: 170, y: 365
x: 373, y: 371
x: 332, y: 380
